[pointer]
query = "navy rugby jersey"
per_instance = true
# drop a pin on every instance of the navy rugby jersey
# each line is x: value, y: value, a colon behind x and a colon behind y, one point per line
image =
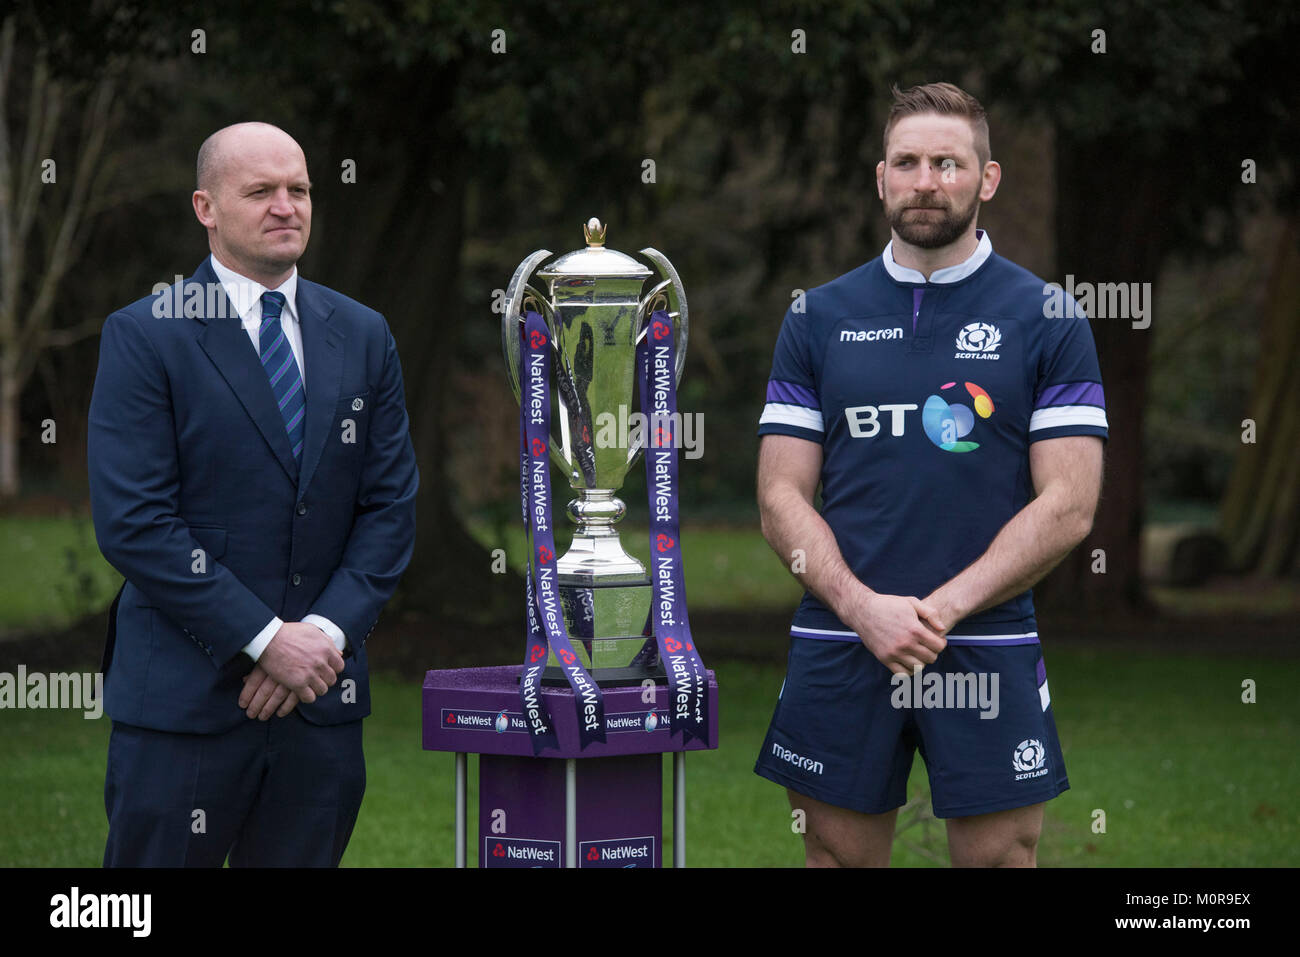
x: 925, y: 396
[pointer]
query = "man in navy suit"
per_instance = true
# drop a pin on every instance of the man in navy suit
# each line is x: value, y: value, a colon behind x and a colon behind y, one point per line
x: 252, y: 478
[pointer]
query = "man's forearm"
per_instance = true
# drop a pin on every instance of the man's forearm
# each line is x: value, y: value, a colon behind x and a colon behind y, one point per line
x: 807, y: 546
x: 1026, y: 549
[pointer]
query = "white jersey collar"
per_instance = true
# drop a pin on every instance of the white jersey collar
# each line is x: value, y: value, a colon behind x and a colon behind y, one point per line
x: 948, y: 274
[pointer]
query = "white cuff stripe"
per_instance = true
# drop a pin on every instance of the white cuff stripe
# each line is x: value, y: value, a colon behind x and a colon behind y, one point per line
x: 1044, y: 698
x: 1052, y: 418
x: 779, y: 413
x: 797, y: 630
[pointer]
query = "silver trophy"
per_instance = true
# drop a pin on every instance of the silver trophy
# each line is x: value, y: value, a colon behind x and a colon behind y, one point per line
x: 596, y: 307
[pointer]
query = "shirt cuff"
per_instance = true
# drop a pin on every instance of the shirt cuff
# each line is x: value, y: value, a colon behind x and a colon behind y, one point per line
x: 334, y: 631
x: 258, y: 645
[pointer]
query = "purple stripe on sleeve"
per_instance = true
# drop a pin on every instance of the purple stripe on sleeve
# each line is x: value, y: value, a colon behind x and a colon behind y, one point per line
x: 790, y: 393
x: 1041, y: 671
x: 1071, y: 393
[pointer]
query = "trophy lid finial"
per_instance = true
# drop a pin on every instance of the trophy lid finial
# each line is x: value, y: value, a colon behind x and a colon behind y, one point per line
x: 595, y: 261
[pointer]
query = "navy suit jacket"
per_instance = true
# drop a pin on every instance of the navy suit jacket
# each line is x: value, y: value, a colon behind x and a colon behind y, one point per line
x: 198, y: 503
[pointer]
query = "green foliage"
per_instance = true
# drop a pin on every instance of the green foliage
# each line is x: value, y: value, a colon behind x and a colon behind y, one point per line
x: 765, y: 157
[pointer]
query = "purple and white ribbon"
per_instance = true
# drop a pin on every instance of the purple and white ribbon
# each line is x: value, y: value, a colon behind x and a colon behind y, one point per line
x: 688, y: 683
x: 542, y: 589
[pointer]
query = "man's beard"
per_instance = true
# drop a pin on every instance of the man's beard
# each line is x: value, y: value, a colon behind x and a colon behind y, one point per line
x: 932, y: 231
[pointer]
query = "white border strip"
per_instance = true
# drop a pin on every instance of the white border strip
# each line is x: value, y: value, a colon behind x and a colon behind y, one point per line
x: 779, y: 413
x: 1059, y: 415
x: 800, y: 630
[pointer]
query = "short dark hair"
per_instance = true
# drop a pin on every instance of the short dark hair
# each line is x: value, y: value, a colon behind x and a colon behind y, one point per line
x: 946, y: 100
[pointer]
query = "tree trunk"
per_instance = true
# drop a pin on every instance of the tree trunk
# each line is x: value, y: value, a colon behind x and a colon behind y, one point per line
x: 10, y: 393
x: 397, y: 245
x: 1260, y: 514
x: 1109, y: 201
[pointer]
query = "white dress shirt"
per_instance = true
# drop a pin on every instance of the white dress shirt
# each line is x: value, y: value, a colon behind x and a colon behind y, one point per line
x: 245, y: 296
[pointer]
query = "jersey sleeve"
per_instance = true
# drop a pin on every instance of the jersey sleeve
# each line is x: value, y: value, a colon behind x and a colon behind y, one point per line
x: 1068, y: 399
x: 792, y: 406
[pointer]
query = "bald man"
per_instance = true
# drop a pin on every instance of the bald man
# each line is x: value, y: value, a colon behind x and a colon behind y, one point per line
x: 252, y: 478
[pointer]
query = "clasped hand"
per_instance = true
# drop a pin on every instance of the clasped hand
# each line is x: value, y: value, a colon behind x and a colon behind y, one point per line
x: 299, y: 664
x: 903, y: 632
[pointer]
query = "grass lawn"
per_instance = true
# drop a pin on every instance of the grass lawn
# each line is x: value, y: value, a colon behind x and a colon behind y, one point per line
x: 726, y: 567
x: 1186, y: 774
x: 1160, y: 743
x: 51, y: 572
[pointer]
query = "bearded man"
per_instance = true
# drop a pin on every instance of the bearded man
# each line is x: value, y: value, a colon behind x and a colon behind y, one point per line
x: 956, y: 433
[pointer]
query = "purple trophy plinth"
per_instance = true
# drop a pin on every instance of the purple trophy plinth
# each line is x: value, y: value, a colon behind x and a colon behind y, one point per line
x: 532, y: 808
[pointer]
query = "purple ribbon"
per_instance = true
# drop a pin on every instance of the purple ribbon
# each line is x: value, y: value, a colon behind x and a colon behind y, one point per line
x: 688, y: 700
x: 541, y: 588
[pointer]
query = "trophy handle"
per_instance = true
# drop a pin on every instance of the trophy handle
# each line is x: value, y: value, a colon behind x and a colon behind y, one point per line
x: 518, y: 293
x: 671, y: 287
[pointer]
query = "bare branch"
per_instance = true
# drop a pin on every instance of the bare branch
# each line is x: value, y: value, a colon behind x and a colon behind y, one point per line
x: 42, y: 122
x: 94, y: 133
x: 6, y: 55
x: 53, y: 338
x: 8, y: 286
x: 113, y: 190
x: 58, y: 338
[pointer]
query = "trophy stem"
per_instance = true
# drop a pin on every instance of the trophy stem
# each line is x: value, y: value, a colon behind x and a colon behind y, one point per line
x: 596, y: 557
x: 606, y: 593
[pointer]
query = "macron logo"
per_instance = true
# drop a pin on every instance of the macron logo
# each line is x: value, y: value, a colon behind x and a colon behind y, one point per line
x: 870, y: 335
x: 805, y: 764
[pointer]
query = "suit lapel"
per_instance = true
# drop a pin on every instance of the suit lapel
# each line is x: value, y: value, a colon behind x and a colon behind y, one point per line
x: 322, y: 348
x: 232, y: 352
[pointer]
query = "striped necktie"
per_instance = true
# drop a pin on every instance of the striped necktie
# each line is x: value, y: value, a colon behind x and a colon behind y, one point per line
x: 278, y: 361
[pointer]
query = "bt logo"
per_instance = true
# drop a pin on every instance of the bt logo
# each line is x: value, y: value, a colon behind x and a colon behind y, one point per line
x: 864, y: 420
x: 945, y: 423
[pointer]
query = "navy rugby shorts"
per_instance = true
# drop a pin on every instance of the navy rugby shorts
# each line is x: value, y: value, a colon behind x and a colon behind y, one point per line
x: 845, y: 729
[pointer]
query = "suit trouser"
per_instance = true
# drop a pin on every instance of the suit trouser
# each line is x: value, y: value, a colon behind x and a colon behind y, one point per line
x: 277, y: 793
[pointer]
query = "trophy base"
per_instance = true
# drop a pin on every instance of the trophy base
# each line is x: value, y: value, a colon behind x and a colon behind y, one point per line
x: 553, y: 677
